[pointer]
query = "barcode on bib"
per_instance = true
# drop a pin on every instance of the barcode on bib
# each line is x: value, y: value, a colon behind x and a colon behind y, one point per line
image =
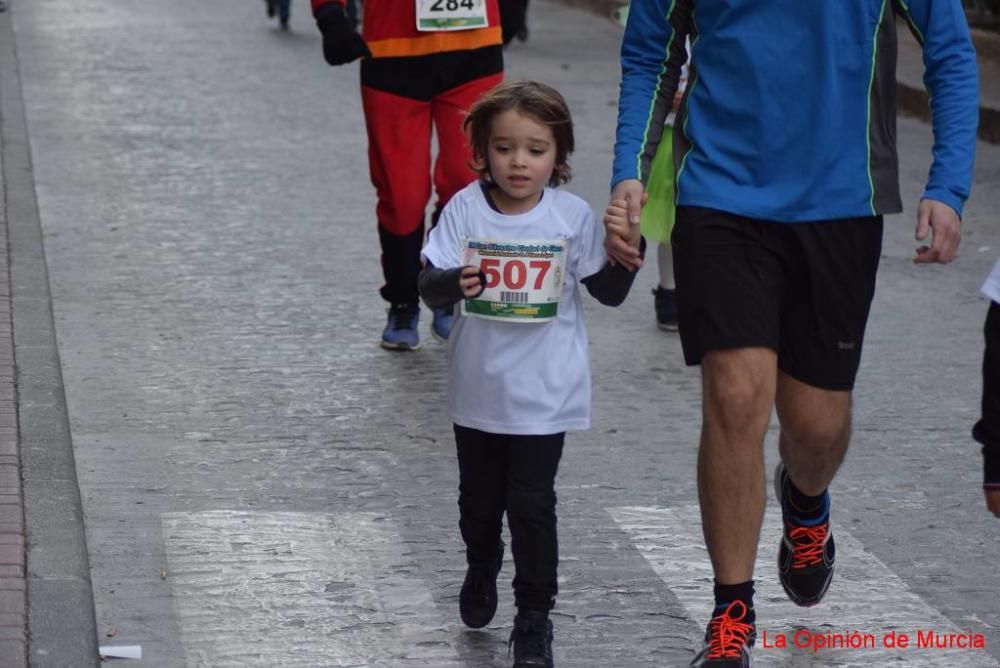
x: 514, y: 297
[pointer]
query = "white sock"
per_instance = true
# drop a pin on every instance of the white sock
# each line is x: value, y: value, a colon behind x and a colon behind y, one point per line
x: 665, y: 264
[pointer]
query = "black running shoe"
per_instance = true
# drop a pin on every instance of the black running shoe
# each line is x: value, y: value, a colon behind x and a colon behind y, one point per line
x: 531, y: 640
x: 271, y: 8
x: 728, y: 640
x: 477, y: 602
x: 807, y: 552
x: 665, y: 303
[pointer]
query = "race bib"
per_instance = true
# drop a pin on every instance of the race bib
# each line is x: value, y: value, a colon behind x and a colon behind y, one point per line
x: 436, y: 15
x: 524, y: 279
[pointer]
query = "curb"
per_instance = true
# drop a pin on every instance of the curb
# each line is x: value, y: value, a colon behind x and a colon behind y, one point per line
x: 914, y: 101
x: 911, y: 99
x: 61, y: 621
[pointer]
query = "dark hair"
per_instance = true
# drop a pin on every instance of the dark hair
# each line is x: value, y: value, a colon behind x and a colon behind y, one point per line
x: 541, y: 102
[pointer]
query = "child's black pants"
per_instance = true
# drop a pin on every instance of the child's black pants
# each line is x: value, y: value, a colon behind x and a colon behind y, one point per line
x: 516, y: 474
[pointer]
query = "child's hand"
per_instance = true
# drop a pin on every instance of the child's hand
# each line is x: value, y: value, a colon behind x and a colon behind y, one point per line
x: 621, y: 234
x: 470, y: 282
x: 616, y: 219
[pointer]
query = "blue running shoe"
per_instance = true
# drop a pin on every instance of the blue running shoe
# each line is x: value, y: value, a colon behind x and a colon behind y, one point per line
x: 442, y: 322
x: 400, y: 331
x: 807, y: 552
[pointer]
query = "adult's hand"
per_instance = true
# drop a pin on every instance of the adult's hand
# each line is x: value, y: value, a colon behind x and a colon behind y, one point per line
x: 945, y: 227
x: 341, y: 43
x: 993, y: 501
x: 625, y: 249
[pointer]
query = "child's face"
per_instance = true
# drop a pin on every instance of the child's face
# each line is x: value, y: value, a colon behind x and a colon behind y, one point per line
x: 522, y: 155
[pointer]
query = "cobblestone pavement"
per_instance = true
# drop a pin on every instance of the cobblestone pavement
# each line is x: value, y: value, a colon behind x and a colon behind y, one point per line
x: 264, y: 486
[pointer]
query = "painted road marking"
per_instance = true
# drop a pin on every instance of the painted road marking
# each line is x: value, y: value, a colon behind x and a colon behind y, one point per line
x: 300, y: 589
x: 865, y: 595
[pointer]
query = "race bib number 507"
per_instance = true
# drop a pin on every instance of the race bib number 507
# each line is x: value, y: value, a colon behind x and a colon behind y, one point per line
x: 434, y: 15
x: 524, y: 279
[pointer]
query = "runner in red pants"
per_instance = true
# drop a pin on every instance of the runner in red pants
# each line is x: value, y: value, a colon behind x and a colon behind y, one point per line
x: 424, y: 63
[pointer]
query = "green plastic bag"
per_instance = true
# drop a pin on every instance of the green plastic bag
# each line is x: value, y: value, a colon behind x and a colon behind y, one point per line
x: 657, y: 219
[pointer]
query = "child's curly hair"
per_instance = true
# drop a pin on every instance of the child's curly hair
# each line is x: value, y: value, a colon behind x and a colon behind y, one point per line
x: 541, y: 102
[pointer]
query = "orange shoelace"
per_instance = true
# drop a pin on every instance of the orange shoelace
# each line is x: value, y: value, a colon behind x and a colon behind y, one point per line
x: 727, y: 632
x: 808, y: 545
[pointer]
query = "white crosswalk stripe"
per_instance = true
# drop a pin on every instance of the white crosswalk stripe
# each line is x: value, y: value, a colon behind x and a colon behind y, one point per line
x: 865, y: 596
x: 299, y: 589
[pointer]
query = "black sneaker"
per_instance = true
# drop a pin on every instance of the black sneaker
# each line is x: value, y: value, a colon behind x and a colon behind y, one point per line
x: 271, y: 9
x: 665, y: 303
x: 477, y: 602
x: 532, y: 640
x: 727, y: 640
x: 807, y: 552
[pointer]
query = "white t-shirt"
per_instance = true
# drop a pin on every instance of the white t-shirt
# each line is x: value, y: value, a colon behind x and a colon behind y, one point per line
x: 991, y: 288
x: 521, y: 378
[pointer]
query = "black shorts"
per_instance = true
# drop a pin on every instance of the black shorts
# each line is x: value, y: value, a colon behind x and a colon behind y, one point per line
x: 801, y: 289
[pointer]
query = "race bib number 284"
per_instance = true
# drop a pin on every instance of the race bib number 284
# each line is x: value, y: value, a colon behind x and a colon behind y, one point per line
x: 524, y: 279
x: 436, y: 15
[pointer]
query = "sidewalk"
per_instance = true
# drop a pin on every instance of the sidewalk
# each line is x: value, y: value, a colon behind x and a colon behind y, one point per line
x: 912, y: 97
x: 13, y: 607
x: 46, y: 602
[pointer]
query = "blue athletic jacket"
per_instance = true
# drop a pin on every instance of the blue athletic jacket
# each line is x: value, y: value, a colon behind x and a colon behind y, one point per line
x: 790, y: 109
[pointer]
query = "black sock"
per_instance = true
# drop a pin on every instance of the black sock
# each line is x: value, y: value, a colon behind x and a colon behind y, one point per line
x: 806, y: 507
x: 726, y: 594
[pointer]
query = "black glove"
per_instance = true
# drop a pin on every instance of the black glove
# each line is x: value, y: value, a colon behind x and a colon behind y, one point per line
x: 341, y: 44
x: 440, y: 287
x: 513, y: 17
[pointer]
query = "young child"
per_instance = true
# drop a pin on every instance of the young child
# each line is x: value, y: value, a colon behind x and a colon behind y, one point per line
x: 512, y: 248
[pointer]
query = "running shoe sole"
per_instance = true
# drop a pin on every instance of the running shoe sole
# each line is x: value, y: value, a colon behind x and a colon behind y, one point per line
x: 403, y: 347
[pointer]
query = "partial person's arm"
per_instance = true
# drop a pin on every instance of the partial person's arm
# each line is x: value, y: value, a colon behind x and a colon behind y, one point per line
x: 612, y: 283
x: 991, y: 465
x: 952, y: 81
x: 443, y: 288
x: 987, y: 429
x: 991, y: 484
x: 341, y: 42
x: 652, y: 55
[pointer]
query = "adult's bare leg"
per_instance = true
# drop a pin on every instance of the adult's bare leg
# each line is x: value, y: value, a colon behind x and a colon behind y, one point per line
x: 815, y: 432
x: 738, y: 391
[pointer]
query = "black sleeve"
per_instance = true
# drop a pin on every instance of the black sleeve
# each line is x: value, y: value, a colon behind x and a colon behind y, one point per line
x: 513, y: 14
x: 987, y: 430
x: 611, y: 284
x: 439, y: 288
